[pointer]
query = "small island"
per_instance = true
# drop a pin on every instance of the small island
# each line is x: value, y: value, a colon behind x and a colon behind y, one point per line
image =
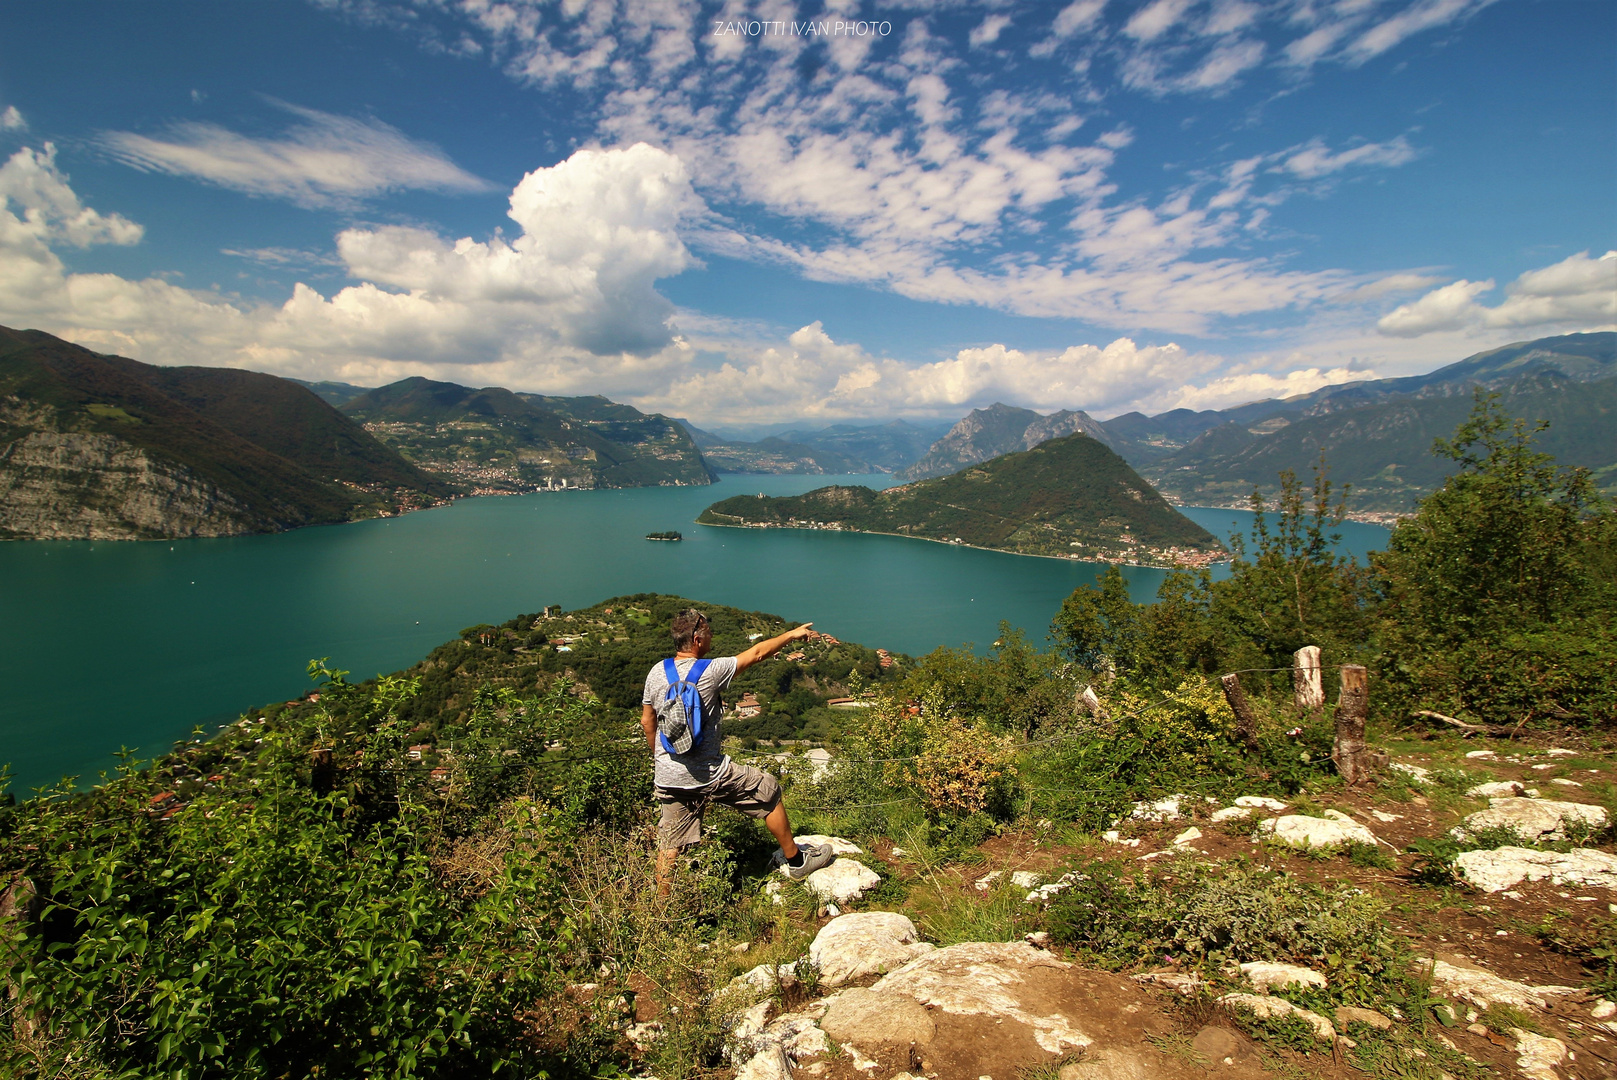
x: 1067, y: 498
x: 670, y: 535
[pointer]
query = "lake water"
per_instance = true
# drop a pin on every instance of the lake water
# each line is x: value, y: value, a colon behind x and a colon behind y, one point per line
x: 132, y: 644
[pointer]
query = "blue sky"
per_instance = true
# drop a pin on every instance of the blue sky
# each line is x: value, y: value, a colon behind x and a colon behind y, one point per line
x: 779, y: 212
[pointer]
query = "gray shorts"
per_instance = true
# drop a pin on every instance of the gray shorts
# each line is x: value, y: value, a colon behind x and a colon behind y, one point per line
x: 742, y: 787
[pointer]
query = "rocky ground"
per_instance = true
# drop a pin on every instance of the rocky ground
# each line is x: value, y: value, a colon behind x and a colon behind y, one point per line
x: 1504, y: 940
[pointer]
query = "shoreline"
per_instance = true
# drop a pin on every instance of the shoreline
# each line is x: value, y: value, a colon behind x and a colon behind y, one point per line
x: 974, y: 547
x: 1387, y: 519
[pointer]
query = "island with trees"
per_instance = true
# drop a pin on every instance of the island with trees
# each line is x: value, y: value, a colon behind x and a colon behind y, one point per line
x: 1071, y: 497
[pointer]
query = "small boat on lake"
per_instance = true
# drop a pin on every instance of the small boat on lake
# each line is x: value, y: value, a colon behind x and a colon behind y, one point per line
x: 664, y: 536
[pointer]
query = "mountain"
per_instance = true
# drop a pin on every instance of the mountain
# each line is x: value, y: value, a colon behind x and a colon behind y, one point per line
x: 333, y: 393
x: 499, y: 441
x: 999, y: 429
x: 775, y: 455
x: 1070, y: 497
x: 1578, y: 358
x: 886, y: 447
x: 102, y: 447
x: 1384, y: 448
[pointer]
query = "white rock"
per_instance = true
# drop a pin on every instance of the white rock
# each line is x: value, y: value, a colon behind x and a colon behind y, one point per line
x: 1482, y: 755
x: 1232, y: 813
x: 1499, y: 869
x: 1273, y: 976
x: 761, y: 979
x: 1541, y: 768
x: 1049, y: 889
x: 986, y: 882
x: 1026, y: 879
x: 1038, y: 938
x: 1112, y: 836
x: 1384, y: 817
x: 1260, y: 802
x: 1332, y: 830
x: 642, y: 1036
x: 1532, y: 819
x: 767, y: 1064
x: 1497, y: 789
x: 1266, y: 1008
x: 1564, y: 782
x: 899, y: 853
x: 865, y: 1018
x: 1560, y: 752
x: 772, y: 890
x: 1167, y: 809
x: 843, y: 881
x: 1484, y: 989
x: 797, y: 1034
x: 1603, y: 1009
x: 1537, y: 1056
x: 1414, y: 772
x: 1187, y: 836
x: 864, y: 943
x: 982, y: 978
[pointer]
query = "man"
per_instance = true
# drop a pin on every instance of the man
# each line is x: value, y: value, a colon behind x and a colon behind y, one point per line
x: 686, y: 783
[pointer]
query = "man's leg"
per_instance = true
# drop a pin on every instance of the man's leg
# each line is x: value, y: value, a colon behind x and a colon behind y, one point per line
x: 665, y: 872
x: 780, y: 827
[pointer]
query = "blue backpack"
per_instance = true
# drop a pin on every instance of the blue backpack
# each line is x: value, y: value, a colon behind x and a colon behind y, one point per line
x: 679, y: 725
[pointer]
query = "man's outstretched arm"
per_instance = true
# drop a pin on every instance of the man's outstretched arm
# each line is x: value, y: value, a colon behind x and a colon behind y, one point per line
x: 648, y: 724
x: 765, y: 649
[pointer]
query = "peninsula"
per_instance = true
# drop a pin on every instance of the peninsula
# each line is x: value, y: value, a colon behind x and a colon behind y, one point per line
x: 1071, y: 497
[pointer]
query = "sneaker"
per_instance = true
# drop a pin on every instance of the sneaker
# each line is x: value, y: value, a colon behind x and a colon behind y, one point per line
x: 815, y: 856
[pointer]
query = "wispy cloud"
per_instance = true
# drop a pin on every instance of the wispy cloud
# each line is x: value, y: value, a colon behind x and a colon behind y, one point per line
x: 324, y: 161
x: 11, y: 120
x: 1577, y: 293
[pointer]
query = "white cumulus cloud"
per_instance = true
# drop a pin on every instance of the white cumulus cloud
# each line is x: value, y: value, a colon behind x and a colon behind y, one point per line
x: 326, y: 160
x: 1576, y: 293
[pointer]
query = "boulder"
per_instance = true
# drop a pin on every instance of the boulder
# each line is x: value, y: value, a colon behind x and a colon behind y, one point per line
x: 1498, y: 789
x: 762, y: 979
x: 767, y: 1064
x: 1499, y: 869
x: 1537, y: 1056
x: 1348, y: 1015
x: 1187, y: 836
x: 1332, y: 830
x: 842, y: 882
x: 1268, y: 976
x: 1026, y: 879
x: 1484, y: 989
x: 1046, y: 891
x: 1259, y: 802
x: 866, y: 1018
x: 1533, y: 819
x: 864, y: 943
x: 1232, y: 813
x: 987, y: 979
x: 1265, y: 1007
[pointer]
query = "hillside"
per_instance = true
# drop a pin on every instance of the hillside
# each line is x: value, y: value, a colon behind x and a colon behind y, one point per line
x: 984, y: 434
x: 102, y: 447
x: 1384, y: 448
x: 500, y: 442
x: 776, y: 455
x: 1070, y: 497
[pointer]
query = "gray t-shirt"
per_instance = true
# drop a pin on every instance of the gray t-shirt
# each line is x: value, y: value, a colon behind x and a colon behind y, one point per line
x: 705, y: 762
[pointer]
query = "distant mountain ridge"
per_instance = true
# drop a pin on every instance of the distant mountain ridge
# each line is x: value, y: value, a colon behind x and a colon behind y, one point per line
x: 840, y: 448
x: 103, y: 447
x: 984, y: 434
x: 1376, y: 434
x: 500, y: 441
x: 1068, y: 497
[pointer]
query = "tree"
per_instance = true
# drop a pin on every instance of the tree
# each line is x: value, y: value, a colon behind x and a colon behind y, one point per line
x: 1497, y: 596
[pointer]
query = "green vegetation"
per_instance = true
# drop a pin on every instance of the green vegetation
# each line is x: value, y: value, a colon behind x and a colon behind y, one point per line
x: 1069, y: 497
x: 500, y: 441
x: 671, y: 534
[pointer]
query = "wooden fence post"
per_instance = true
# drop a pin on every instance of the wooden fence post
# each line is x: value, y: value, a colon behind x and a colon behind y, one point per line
x: 1089, y: 701
x: 1307, y: 681
x: 1352, y: 706
x: 1246, y: 721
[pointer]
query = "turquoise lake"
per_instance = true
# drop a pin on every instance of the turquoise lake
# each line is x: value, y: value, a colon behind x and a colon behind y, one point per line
x: 108, y: 644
